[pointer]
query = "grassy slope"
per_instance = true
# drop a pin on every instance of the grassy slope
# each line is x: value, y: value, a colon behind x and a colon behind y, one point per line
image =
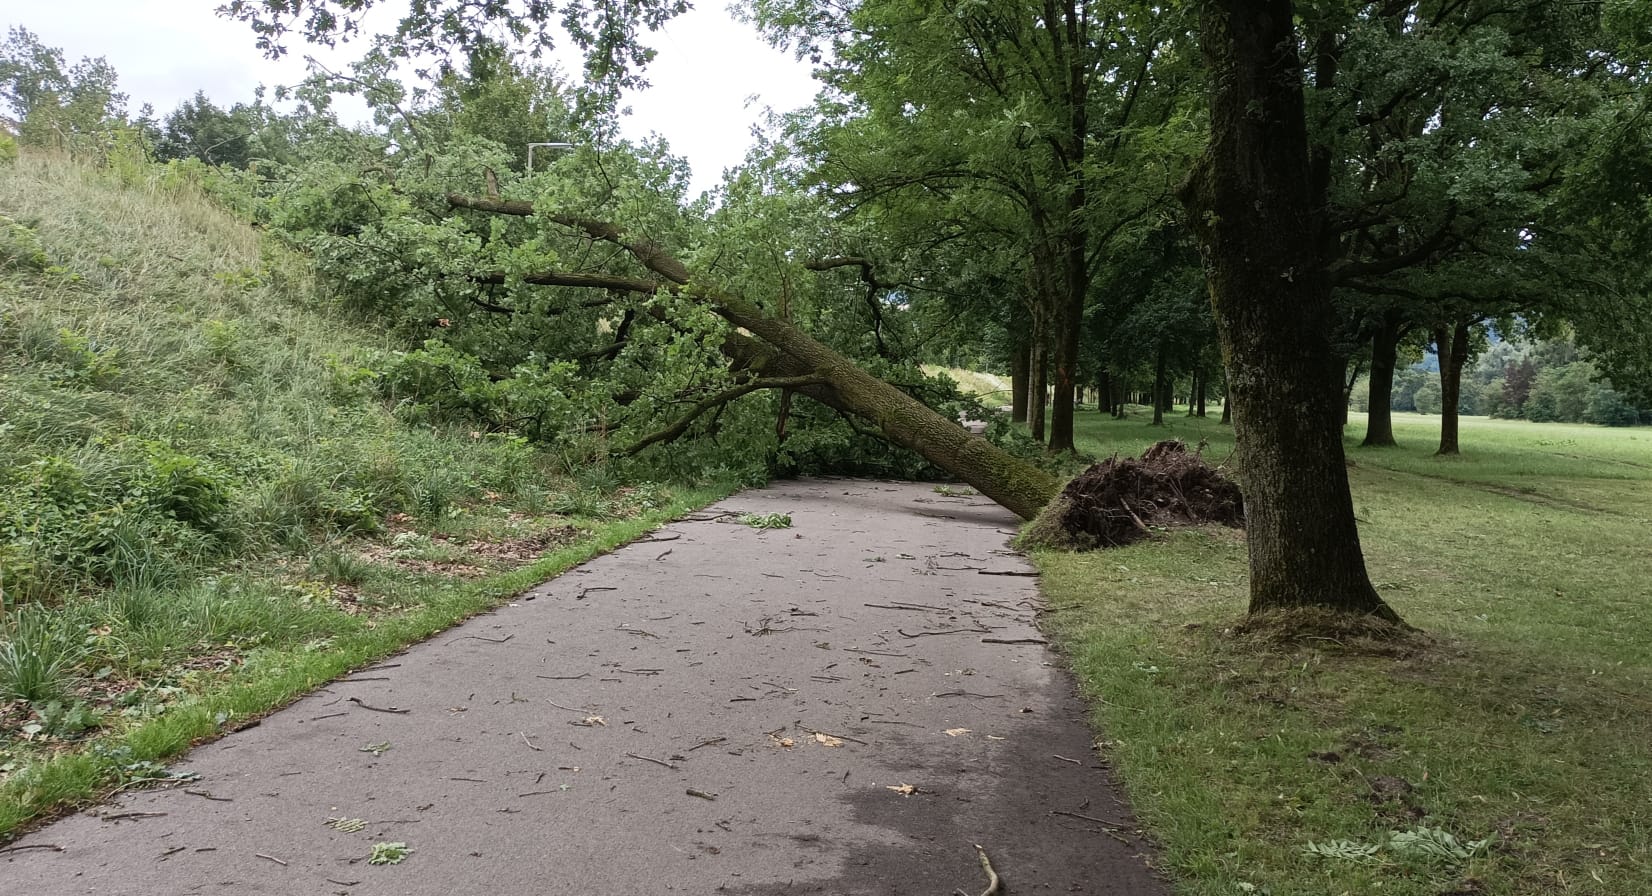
x: 1527, y: 719
x: 206, y: 508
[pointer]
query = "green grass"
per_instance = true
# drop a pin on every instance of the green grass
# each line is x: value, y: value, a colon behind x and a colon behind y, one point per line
x: 1525, y: 718
x: 209, y: 506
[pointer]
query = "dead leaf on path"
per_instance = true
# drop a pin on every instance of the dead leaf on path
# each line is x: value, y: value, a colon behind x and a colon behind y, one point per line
x: 902, y: 789
x: 786, y: 742
x: 591, y: 722
x: 994, y: 737
x: 828, y: 740
x: 954, y: 732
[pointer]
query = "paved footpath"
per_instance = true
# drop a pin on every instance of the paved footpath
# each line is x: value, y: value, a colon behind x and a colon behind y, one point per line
x: 846, y: 706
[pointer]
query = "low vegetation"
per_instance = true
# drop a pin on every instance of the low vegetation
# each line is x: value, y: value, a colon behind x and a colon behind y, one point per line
x: 214, y: 497
x: 1503, y: 750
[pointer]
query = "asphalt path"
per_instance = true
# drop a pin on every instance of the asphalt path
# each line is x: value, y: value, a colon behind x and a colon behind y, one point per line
x: 861, y: 703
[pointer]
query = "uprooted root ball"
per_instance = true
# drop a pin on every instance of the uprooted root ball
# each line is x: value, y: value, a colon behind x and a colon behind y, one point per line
x: 1123, y: 500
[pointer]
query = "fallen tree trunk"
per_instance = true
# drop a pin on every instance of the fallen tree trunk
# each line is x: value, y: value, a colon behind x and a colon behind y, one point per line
x: 786, y: 354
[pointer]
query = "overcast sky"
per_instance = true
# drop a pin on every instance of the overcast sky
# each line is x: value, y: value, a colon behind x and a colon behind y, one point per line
x: 165, y: 50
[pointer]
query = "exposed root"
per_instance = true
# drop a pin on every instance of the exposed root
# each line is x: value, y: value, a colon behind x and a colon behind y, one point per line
x: 1121, y: 501
x: 1328, y: 629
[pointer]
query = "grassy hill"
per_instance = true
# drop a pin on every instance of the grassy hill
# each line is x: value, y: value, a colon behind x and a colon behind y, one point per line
x: 208, y: 503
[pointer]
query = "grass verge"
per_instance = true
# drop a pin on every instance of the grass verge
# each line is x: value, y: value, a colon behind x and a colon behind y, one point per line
x: 1509, y: 752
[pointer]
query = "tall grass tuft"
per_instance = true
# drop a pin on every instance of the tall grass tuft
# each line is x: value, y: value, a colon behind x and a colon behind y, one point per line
x: 38, y: 654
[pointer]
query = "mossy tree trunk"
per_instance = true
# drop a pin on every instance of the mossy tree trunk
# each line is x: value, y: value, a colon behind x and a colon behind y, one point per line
x: 1259, y: 213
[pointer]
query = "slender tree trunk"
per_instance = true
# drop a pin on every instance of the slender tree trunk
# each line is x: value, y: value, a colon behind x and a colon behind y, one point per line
x: 1259, y: 216
x: 1018, y: 384
x: 1158, y: 389
x: 1347, y: 387
x: 1452, y: 344
x: 1104, y: 392
x: 1199, y: 393
x: 1227, y: 410
x: 1038, y: 398
x: 1385, y: 347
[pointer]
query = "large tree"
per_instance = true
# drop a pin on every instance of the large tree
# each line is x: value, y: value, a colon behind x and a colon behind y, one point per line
x: 1258, y: 205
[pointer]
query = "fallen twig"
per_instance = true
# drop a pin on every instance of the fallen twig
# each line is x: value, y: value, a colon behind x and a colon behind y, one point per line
x: 368, y: 678
x: 653, y: 760
x: 392, y: 710
x: 590, y: 588
x: 1065, y: 759
x: 1091, y: 818
x: 944, y: 631
x: 701, y: 794
x: 1007, y: 572
x: 907, y: 607
x: 118, y: 816
x: 530, y: 743
x: 207, y: 795
x: 270, y: 857
x: 564, y: 677
x: 1013, y: 641
x: 51, y: 846
x: 707, y: 743
x: 568, y: 708
x: 968, y: 694
x: 331, y: 715
x: 994, y: 885
x: 481, y: 638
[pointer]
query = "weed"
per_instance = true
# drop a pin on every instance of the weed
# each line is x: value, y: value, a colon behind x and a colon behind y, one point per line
x: 38, y: 654
x: 389, y: 853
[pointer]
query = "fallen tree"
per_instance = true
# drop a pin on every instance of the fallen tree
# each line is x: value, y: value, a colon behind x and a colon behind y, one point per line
x: 779, y: 355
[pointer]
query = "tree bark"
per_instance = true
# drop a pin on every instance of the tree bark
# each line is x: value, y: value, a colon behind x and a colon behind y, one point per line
x: 778, y: 350
x: 1158, y: 388
x: 1200, y: 387
x: 1227, y: 410
x: 1260, y: 222
x: 1038, y: 370
x: 1018, y: 384
x: 1452, y: 344
x: 1385, y: 347
x: 1104, y: 392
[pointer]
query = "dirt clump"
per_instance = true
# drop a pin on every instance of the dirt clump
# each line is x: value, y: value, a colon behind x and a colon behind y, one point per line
x: 1124, y: 500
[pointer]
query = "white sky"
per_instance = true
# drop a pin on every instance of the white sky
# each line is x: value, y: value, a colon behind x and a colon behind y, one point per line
x: 165, y: 50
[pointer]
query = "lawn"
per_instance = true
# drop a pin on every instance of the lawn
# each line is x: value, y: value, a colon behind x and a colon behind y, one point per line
x: 1510, y: 753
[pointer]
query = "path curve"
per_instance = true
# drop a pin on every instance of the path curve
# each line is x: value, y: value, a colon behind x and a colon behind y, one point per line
x: 713, y: 709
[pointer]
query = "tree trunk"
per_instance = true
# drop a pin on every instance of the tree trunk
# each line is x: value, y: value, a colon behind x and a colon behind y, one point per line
x: 1347, y: 387
x: 1199, y: 391
x: 1452, y: 345
x: 1385, y: 347
x: 1227, y: 410
x: 1038, y: 397
x: 1018, y: 384
x: 1104, y: 392
x: 1260, y: 222
x: 1158, y: 388
x: 778, y: 349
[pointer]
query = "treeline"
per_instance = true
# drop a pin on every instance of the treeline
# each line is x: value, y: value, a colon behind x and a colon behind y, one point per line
x: 1549, y: 381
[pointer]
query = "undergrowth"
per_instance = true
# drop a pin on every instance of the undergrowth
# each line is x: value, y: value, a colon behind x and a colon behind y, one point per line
x: 216, y: 478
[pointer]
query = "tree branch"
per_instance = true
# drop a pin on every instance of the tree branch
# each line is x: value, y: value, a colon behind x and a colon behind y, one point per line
x: 682, y: 424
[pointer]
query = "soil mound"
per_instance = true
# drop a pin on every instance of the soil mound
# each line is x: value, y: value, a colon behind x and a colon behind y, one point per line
x: 1122, y: 500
